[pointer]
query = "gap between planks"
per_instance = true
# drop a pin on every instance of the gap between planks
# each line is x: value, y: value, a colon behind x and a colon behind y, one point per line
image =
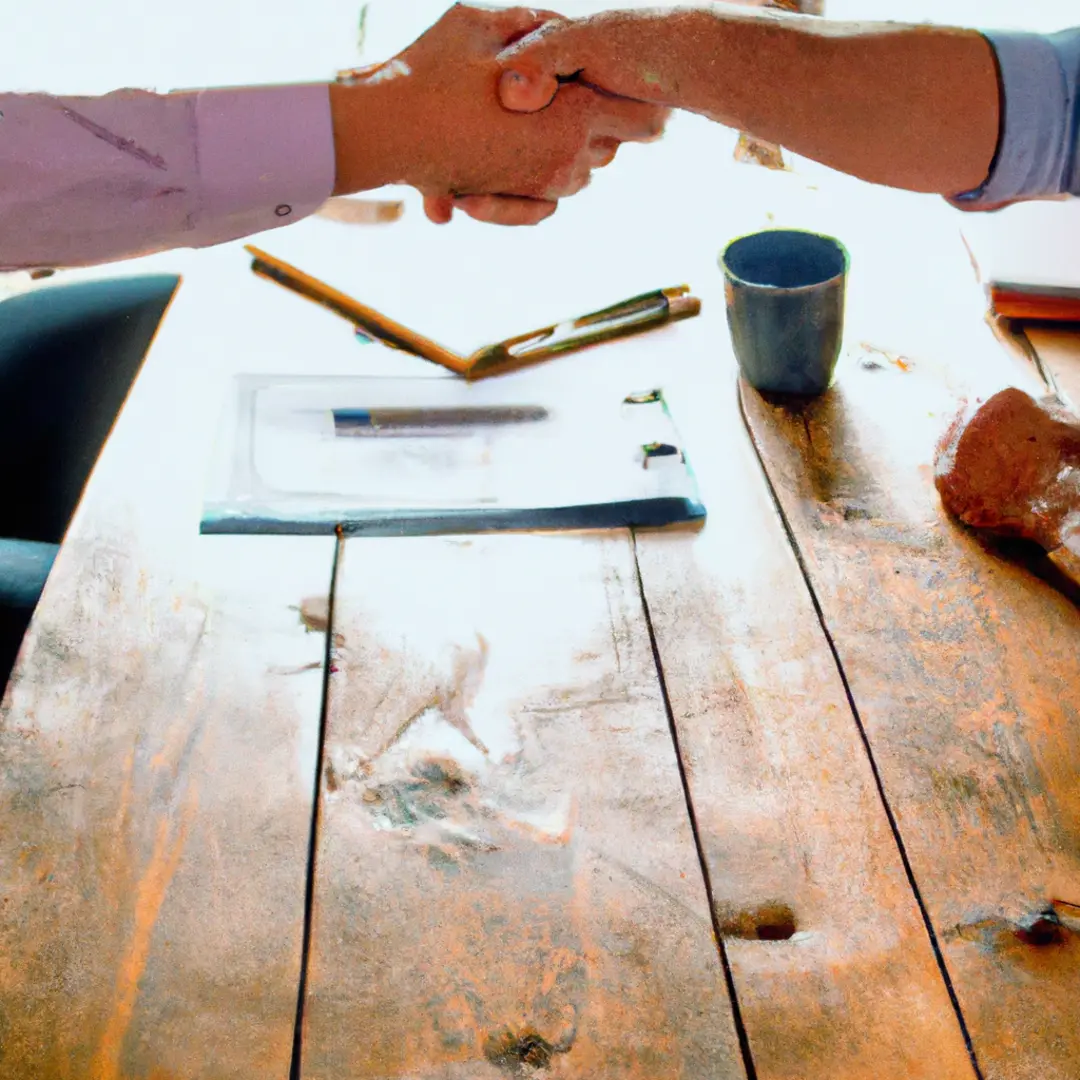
x: 729, y: 979
x: 893, y: 825
x: 296, y: 1067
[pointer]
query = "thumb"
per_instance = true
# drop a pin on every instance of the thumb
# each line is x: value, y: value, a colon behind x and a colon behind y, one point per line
x: 519, y: 92
x: 532, y: 67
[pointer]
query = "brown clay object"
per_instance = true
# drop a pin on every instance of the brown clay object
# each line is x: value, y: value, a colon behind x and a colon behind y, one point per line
x: 1011, y: 466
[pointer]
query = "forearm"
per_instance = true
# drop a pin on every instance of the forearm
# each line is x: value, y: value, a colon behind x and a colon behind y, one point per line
x: 910, y: 107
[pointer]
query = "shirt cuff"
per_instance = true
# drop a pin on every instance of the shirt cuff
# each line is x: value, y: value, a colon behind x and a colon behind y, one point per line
x: 265, y: 158
x: 1037, y: 146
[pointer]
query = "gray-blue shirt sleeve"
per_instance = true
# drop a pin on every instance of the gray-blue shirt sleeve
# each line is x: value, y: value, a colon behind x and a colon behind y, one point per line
x: 1038, y: 152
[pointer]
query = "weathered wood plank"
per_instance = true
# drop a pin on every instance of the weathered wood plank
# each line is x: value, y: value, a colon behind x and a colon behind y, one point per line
x: 506, y: 872
x: 157, y: 760
x: 965, y: 669
x: 832, y: 965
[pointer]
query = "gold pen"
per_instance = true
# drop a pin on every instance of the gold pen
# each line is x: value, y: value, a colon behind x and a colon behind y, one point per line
x: 619, y: 320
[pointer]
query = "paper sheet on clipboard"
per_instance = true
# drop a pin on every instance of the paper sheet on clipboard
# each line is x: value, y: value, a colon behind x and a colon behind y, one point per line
x: 283, y: 464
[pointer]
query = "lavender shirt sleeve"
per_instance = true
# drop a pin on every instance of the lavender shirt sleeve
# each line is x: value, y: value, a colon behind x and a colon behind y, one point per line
x: 89, y: 180
x: 1038, y: 152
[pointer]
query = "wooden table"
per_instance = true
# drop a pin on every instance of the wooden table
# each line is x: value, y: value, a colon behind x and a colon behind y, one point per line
x: 793, y: 795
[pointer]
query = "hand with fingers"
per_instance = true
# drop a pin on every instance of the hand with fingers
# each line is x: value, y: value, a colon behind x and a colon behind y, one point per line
x: 443, y: 130
x: 636, y: 55
x: 913, y: 107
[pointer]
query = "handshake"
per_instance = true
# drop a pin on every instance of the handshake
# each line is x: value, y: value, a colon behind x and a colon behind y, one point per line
x: 490, y: 112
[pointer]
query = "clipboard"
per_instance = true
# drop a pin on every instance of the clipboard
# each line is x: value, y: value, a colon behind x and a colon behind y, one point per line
x: 407, y: 456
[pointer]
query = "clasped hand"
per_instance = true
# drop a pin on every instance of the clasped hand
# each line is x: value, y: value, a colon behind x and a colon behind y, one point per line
x: 450, y: 125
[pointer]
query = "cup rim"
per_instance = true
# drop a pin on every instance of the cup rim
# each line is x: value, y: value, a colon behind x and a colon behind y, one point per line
x: 728, y: 272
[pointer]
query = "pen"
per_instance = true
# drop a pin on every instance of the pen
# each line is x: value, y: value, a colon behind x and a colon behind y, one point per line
x: 368, y: 319
x: 432, y: 420
x: 631, y: 316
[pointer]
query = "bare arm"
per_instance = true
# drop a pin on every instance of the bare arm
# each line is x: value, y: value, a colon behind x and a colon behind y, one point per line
x: 910, y: 107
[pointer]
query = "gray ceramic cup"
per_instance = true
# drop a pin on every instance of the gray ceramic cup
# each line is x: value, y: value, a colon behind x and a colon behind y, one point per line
x: 785, y: 306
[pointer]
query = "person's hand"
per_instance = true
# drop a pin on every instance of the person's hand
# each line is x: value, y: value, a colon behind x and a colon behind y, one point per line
x: 431, y: 118
x: 907, y: 106
x: 632, y: 54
